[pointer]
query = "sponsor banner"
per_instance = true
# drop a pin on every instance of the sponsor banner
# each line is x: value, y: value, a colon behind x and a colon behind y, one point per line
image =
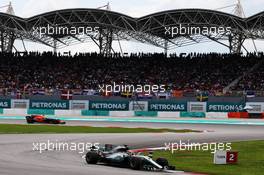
x: 138, y: 106
x: 197, y: 106
x: 224, y: 107
x: 167, y: 106
x: 5, y: 103
x: 257, y: 107
x: 109, y: 105
x: 36, y: 104
x: 20, y: 104
x: 79, y: 104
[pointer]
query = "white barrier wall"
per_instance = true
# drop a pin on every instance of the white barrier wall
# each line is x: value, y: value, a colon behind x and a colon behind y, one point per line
x: 66, y: 113
x: 121, y: 113
x: 169, y: 114
x: 15, y: 111
x: 217, y: 115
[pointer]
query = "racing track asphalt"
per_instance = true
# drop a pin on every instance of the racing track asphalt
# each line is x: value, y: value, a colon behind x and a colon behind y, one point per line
x: 17, y: 156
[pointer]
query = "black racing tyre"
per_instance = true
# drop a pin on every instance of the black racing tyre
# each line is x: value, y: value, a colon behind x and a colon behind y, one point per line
x: 135, y: 163
x: 92, y: 157
x: 29, y: 119
x: 162, y: 162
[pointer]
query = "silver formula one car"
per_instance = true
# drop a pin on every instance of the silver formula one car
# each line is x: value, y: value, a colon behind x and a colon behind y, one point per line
x: 123, y: 157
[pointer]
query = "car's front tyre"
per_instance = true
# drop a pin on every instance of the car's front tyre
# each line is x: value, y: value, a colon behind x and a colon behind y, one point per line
x: 92, y: 157
x: 162, y: 162
x: 135, y: 163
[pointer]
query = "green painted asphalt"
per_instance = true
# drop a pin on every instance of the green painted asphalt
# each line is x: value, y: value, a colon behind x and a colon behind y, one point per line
x: 152, y: 120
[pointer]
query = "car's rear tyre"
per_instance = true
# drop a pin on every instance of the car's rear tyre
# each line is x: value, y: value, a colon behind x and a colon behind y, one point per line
x: 29, y: 120
x: 92, y: 157
x: 135, y: 163
x: 162, y: 162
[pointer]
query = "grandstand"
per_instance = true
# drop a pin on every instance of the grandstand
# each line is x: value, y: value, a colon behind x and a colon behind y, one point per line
x: 79, y: 73
x: 27, y: 74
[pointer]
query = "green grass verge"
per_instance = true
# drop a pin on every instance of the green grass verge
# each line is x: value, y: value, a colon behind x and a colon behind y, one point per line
x: 27, y: 129
x: 250, y: 160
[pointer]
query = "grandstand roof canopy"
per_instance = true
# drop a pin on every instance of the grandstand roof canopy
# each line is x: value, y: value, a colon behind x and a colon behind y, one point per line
x: 147, y: 29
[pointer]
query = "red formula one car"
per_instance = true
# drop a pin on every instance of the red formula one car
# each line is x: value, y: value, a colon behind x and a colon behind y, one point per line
x: 43, y: 119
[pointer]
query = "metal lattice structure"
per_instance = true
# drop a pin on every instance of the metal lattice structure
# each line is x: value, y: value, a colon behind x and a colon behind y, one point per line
x: 255, y: 26
x: 149, y: 29
x: 7, y: 37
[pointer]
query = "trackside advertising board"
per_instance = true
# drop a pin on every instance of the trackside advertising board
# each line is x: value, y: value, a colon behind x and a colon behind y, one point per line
x: 224, y: 107
x: 109, y: 105
x: 167, y: 106
x: 59, y: 104
x: 5, y: 103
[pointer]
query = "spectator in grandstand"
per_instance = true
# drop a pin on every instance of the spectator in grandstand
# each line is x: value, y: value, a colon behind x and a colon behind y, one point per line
x: 42, y: 73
